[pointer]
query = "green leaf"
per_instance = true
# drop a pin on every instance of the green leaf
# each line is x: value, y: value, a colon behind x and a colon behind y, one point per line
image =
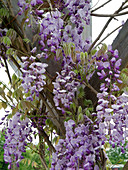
x: 20, y: 106
x: 1, y: 105
x: 11, y: 33
x: 76, y: 71
x: 14, y: 78
x: 4, y: 105
x: 1, y: 91
x: 68, y: 112
x: 9, y: 51
x: 73, y: 106
x: 7, y: 41
x: 4, y: 12
x: 26, y: 40
x: 87, y: 113
x: 93, y: 52
x: 81, y: 93
x: 87, y: 102
x: 79, y: 109
x: 90, y: 109
x: 82, y: 58
x: 67, y: 118
x: 80, y: 117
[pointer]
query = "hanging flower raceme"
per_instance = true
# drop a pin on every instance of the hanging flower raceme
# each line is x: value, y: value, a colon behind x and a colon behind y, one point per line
x: 16, y: 134
x: 111, y: 110
x: 50, y: 31
x: 33, y: 76
x: 80, y: 149
x: 65, y: 85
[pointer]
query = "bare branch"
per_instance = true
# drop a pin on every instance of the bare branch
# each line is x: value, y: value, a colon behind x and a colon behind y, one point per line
x: 6, y: 65
x: 46, y: 138
x: 95, y: 4
x: 41, y: 148
x: 7, y: 69
x: 52, y: 114
x: 125, y: 7
x: 88, y: 85
x: 106, y: 25
x: 101, y: 6
x: 15, y: 62
x: 109, y: 15
x: 108, y: 35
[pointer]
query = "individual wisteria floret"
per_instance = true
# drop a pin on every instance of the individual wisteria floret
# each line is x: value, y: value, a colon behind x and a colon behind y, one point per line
x: 65, y: 86
x: 16, y: 134
x: 112, y: 111
x: 33, y: 76
x: 80, y: 149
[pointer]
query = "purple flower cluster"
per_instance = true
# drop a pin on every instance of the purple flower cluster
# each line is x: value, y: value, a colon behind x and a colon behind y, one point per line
x: 70, y: 34
x: 113, y: 119
x: 79, y: 10
x: 65, y: 86
x: 33, y: 76
x: 16, y: 135
x: 50, y: 32
x: 80, y: 148
x: 24, y: 3
x: 111, y: 110
x: 39, y: 121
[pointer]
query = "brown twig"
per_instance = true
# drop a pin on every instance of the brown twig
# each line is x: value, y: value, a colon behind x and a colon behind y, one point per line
x: 108, y: 35
x: 95, y: 4
x: 46, y: 138
x: 7, y: 69
x: 106, y: 25
x: 88, y: 85
x: 101, y: 6
x: 41, y: 155
x: 109, y: 15
x: 52, y: 114
x: 15, y: 62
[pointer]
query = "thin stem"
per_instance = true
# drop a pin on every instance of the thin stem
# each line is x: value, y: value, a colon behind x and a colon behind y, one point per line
x: 95, y: 4
x: 109, y: 15
x: 87, y: 85
x: 50, y: 4
x: 106, y: 25
x: 52, y: 113
x: 125, y: 7
x: 7, y: 69
x: 108, y: 35
x: 46, y: 138
x: 6, y: 102
x: 41, y: 155
x: 15, y: 62
x: 101, y: 6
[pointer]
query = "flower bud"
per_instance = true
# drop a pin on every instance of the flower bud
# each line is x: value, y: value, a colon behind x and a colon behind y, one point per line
x: 82, y: 58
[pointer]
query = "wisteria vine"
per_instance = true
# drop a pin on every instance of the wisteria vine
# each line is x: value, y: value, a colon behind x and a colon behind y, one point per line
x: 60, y: 36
